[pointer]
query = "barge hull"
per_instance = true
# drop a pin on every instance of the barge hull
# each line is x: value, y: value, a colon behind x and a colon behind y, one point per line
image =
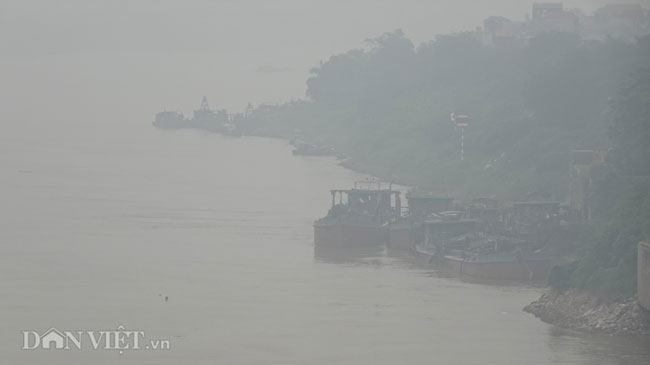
x: 522, y: 270
x: 400, y: 237
x: 349, y: 235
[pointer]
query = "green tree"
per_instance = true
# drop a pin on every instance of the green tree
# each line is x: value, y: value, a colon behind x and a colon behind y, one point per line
x: 631, y: 129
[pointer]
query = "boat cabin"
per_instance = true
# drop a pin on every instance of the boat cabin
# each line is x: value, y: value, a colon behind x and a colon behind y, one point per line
x: 367, y: 200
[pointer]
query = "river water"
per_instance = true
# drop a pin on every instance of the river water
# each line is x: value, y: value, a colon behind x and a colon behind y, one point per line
x: 99, y: 224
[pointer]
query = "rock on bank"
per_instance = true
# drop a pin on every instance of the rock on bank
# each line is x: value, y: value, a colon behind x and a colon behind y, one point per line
x: 584, y: 312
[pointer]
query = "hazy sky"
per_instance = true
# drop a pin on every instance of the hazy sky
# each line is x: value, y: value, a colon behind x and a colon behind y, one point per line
x: 117, y: 60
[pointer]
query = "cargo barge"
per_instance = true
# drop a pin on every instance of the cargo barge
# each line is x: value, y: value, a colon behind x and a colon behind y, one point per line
x: 463, y: 247
x: 405, y: 231
x: 479, y: 240
x: 358, y: 217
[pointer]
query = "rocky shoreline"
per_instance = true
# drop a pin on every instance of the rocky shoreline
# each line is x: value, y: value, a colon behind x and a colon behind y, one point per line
x: 582, y: 311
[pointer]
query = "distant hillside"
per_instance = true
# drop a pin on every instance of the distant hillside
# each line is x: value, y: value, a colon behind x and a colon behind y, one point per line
x: 388, y: 106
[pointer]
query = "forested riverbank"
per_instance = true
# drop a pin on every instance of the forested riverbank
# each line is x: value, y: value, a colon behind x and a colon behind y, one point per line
x: 387, y: 107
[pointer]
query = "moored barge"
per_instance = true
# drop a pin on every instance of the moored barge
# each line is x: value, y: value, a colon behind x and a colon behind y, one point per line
x: 406, y: 230
x: 359, y: 216
x: 463, y: 248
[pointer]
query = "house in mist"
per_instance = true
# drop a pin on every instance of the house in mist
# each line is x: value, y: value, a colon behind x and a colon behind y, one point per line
x: 502, y: 31
x: 617, y: 21
x: 552, y: 18
x: 613, y: 21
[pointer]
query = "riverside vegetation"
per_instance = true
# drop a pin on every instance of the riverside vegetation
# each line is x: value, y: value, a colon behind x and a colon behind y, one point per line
x: 387, y: 107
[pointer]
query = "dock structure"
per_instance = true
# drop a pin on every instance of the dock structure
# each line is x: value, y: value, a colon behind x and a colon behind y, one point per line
x: 643, y: 275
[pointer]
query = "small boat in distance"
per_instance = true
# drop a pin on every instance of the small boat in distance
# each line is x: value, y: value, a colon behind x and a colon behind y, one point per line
x: 204, y: 118
x: 169, y: 120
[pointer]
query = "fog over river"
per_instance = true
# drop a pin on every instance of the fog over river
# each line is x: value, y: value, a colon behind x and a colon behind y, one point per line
x: 99, y: 226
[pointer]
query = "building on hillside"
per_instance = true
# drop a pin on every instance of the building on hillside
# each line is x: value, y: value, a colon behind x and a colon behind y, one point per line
x: 552, y: 18
x: 625, y: 22
x: 617, y: 21
x: 498, y: 30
